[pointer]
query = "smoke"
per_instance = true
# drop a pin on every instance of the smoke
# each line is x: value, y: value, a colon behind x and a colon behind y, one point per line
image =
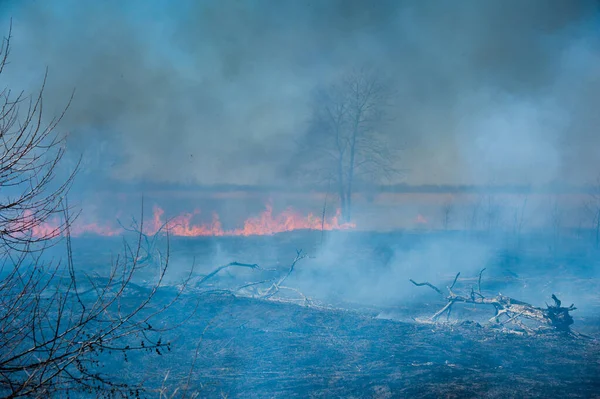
x: 516, y: 140
x: 375, y: 270
x: 218, y: 91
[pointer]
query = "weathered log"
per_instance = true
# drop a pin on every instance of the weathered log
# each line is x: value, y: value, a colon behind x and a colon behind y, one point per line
x: 554, y: 316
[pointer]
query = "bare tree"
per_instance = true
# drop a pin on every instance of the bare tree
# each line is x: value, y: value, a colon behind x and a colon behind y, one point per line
x: 30, y: 152
x: 62, y: 329
x: 345, y: 143
x: 59, y: 325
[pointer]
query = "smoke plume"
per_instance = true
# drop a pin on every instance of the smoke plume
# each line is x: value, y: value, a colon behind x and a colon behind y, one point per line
x: 217, y: 91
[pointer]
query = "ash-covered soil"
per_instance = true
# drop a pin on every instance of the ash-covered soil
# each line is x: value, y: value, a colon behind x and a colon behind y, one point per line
x: 239, y: 347
x: 361, y: 336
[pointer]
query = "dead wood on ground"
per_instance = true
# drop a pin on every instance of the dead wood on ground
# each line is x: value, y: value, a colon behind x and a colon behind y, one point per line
x: 508, y: 310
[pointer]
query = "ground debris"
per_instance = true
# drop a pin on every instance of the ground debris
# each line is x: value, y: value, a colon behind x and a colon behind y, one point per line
x: 508, y: 311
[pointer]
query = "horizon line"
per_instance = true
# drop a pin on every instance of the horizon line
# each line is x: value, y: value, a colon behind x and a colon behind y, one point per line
x: 400, y: 188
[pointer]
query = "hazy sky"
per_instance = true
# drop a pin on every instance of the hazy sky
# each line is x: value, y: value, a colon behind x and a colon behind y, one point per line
x: 217, y: 91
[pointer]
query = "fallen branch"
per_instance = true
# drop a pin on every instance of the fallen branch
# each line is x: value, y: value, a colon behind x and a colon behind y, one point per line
x: 555, y: 316
x: 231, y: 264
x: 274, y: 288
x: 275, y: 283
x: 427, y: 284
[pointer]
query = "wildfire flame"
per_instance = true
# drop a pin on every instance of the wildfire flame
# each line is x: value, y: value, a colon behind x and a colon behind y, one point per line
x: 266, y: 223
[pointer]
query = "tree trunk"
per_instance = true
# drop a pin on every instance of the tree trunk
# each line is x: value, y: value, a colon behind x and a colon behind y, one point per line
x: 341, y: 191
x: 348, y: 213
x: 348, y: 216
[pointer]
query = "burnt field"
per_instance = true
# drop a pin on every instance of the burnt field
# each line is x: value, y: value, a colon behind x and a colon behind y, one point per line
x: 346, y: 321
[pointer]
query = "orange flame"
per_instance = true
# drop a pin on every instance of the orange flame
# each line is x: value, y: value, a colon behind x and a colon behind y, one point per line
x: 54, y: 227
x: 264, y: 224
x: 182, y: 225
x: 29, y: 224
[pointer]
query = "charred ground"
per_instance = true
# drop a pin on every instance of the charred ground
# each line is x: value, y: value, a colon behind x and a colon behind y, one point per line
x: 364, y: 332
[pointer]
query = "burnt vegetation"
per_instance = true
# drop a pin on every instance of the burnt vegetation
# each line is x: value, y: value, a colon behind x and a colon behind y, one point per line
x: 62, y: 329
x: 128, y: 329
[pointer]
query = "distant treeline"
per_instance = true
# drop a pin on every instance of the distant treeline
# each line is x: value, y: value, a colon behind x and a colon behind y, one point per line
x: 116, y: 186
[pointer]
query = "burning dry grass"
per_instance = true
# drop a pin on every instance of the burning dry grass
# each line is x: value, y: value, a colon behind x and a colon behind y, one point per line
x: 186, y: 225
